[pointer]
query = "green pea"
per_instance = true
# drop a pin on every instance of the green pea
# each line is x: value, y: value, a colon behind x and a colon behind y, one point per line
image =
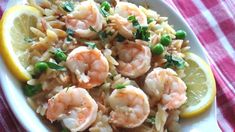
x: 157, y: 49
x: 40, y: 67
x: 165, y: 40
x: 180, y: 34
x: 60, y: 56
x: 106, y: 6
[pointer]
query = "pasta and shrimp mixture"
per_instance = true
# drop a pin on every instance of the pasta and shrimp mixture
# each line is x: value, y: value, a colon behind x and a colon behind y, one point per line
x: 109, y: 66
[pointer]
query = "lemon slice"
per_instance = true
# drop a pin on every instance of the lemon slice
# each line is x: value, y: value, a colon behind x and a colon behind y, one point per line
x: 201, y: 87
x: 15, y: 29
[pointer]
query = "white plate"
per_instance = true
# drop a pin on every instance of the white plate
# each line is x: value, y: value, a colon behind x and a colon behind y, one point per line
x: 27, y: 117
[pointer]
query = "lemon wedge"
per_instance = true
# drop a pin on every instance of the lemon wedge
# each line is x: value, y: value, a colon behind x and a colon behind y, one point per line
x: 15, y: 29
x: 201, y: 89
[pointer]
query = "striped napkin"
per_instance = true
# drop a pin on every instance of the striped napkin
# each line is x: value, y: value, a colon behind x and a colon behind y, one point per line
x: 213, y: 21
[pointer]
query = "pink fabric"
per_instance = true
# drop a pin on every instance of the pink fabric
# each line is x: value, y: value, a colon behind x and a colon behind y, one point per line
x: 213, y: 22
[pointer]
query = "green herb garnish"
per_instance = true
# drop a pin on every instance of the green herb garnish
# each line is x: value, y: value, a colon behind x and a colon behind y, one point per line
x: 134, y: 21
x: 173, y: 61
x: 65, y: 130
x: 149, y: 20
x: 90, y: 45
x: 120, y: 86
x: 106, y: 5
x: 31, y: 90
x: 28, y: 40
x: 104, y: 8
x: 102, y: 35
x: 151, y: 120
x: 55, y: 66
x: 141, y: 32
x: 92, y: 29
x: 120, y: 38
x: 68, y: 6
x: 70, y: 31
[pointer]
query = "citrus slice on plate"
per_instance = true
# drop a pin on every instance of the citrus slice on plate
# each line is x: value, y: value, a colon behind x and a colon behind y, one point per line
x: 201, y: 87
x: 14, y: 33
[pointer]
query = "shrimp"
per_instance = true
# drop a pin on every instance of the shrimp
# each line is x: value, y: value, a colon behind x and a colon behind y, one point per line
x: 74, y: 107
x: 85, y: 14
x: 122, y: 11
x: 130, y: 107
x: 165, y: 86
x: 134, y: 59
x: 89, y: 65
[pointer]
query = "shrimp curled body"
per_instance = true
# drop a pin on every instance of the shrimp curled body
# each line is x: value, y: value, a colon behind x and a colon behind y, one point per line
x: 85, y: 14
x: 74, y: 106
x: 134, y: 59
x: 130, y: 107
x: 89, y: 65
x: 164, y: 85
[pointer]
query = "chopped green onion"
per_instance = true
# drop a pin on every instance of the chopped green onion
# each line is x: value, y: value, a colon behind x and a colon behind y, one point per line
x: 40, y: 67
x: 149, y: 20
x: 90, y: 45
x: 165, y: 40
x: 157, y: 49
x: 120, y: 86
x: 151, y: 120
x: 31, y: 90
x: 68, y: 6
x: 55, y: 66
x: 173, y: 61
x: 180, y: 34
x: 60, y: 55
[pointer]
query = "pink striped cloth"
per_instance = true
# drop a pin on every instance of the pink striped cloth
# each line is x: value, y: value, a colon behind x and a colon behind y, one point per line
x: 213, y: 21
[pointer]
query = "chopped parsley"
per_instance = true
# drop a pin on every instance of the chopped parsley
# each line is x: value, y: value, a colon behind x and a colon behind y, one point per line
x: 134, y: 21
x: 151, y: 120
x: 173, y: 61
x: 31, y: 90
x: 90, y: 45
x: 68, y: 6
x: 120, y: 86
x: 142, y: 32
